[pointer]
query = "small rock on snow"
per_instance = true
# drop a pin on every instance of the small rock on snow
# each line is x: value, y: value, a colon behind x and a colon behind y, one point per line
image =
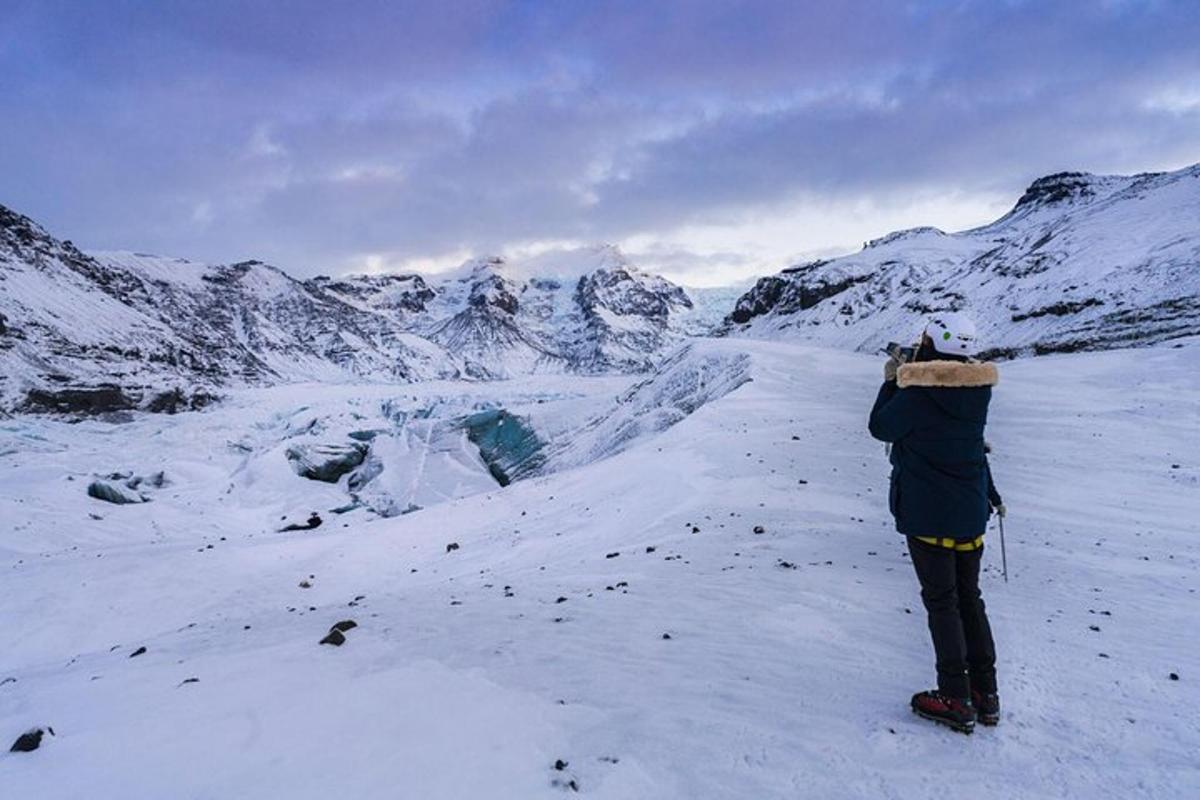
x: 29, y: 741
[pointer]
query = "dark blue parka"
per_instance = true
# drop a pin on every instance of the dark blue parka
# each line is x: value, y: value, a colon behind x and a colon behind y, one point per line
x: 934, y: 415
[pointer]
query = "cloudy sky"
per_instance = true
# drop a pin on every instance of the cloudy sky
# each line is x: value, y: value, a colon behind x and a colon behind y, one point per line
x: 711, y: 140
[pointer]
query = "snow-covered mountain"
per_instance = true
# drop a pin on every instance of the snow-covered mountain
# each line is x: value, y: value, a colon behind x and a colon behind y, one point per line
x: 112, y: 331
x: 588, y: 311
x: 1082, y: 262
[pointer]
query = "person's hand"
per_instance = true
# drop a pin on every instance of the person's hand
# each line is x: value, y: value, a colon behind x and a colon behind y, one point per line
x: 891, y: 365
x: 1000, y: 510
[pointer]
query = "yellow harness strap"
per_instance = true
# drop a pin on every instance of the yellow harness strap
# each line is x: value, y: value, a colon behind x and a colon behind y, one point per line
x: 952, y: 544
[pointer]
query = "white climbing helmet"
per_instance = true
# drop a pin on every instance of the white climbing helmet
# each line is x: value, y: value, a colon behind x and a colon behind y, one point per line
x: 952, y: 333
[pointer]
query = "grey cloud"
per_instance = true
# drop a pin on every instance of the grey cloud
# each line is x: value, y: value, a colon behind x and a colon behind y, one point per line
x: 223, y: 130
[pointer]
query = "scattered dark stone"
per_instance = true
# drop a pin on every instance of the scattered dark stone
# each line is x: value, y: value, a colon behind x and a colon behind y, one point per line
x: 314, y: 521
x: 759, y: 529
x: 335, y: 638
x: 1174, y: 676
x: 450, y: 548
x: 305, y: 585
x: 560, y: 765
x: 138, y: 652
x: 1104, y: 655
x: 612, y: 555
x: 1174, y: 466
x: 344, y: 625
x: 561, y: 600
x: 787, y: 564
x: 795, y: 438
x: 1095, y: 628
x: 188, y: 680
x: 802, y: 482
x: 666, y: 636
x: 29, y: 741
x: 650, y: 548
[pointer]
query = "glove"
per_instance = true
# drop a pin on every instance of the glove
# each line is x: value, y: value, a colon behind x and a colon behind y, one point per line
x: 1000, y: 510
x: 890, y: 366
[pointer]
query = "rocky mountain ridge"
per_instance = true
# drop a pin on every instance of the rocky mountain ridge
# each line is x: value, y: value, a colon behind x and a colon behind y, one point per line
x: 121, y: 331
x: 1081, y: 262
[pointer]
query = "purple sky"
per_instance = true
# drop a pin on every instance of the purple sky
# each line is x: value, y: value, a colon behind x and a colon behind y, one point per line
x: 711, y: 140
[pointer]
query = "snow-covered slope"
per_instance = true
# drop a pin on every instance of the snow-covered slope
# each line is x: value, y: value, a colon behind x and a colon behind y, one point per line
x: 620, y: 628
x: 1082, y: 262
x: 116, y: 331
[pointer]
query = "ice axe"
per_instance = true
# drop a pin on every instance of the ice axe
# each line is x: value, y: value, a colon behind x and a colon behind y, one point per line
x: 1003, y: 552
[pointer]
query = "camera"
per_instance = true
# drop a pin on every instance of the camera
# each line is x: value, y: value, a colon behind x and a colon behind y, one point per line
x: 904, y: 354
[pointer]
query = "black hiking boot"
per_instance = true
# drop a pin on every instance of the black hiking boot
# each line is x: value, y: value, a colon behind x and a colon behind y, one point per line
x: 952, y: 712
x: 987, y: 708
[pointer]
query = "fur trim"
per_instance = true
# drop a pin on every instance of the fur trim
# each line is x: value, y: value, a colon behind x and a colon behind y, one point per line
x: 952, y: 374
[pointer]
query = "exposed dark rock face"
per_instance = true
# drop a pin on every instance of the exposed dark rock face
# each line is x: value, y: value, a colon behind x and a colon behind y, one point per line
x: 1058, y: 309
x: 80, y: 400
x: 802, y: 288
x: 761, y: 299
x: 400, y: 294
x: 1056, y: 188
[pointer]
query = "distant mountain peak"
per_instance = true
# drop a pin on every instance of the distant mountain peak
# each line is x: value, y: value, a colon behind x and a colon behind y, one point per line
x: 1082, y: 261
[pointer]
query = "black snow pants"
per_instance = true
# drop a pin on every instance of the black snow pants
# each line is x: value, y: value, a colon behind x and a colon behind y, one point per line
x: 962, y: 637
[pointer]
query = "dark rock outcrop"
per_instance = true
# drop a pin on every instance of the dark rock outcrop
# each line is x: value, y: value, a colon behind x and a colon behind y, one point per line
x: 81, y: 400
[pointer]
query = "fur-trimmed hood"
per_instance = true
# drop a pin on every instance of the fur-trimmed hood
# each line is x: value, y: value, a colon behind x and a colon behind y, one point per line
x: 947, y: 374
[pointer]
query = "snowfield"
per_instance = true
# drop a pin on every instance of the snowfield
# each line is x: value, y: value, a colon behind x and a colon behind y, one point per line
x: 612, y: 625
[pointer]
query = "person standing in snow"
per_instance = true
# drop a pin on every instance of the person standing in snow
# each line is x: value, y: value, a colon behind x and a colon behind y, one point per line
x: 932, y: 412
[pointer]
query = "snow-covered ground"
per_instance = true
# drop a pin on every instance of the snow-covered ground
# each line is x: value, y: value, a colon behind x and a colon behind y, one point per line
x: 791, y: 653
